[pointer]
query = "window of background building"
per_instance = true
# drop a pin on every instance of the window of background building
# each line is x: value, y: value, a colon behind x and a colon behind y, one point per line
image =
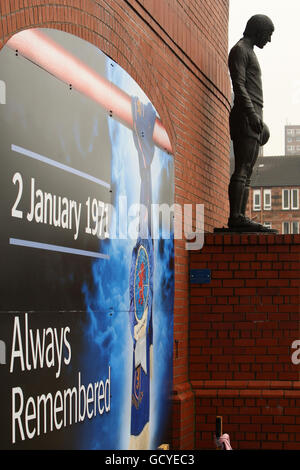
x: 295, y: 227
x: 295, y: 198
x: 290, y: 131
x: 285, y: 199
x: 267, y: 199
x: 268, y: 224
x: 256, y: 200
x: 285, y: 227
x: 290, y: 227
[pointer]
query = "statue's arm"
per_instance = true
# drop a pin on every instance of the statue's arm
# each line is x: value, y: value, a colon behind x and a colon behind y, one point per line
x: 237, y: 62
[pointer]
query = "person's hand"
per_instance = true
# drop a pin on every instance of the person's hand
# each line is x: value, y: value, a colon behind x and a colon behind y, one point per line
x: 255, y: 122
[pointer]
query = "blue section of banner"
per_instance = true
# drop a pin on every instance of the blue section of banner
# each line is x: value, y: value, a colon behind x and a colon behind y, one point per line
x: 109, y: 333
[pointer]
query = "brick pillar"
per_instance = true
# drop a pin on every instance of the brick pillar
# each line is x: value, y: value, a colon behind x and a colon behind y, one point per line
x: 183, y: 417
x: 242, y: 328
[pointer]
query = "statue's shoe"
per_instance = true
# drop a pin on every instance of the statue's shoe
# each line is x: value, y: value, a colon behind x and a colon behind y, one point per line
x: 244, y: 224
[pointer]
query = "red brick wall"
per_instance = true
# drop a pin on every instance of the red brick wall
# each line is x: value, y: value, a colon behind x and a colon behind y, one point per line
x: 177, y: 52
x: 242, y: 326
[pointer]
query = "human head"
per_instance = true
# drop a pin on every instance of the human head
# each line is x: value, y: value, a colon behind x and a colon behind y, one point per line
x: 259, y: 28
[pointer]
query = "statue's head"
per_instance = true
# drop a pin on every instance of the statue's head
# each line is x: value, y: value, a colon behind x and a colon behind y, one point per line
x: 260, y: 29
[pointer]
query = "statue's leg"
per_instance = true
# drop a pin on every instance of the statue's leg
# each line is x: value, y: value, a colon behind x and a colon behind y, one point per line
x: 246, y: 153
x: 245, y: 199
x: 238, y: 191
x: 248, y: 180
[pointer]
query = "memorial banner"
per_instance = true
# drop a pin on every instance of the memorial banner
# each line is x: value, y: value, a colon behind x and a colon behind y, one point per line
x: 87, y: 282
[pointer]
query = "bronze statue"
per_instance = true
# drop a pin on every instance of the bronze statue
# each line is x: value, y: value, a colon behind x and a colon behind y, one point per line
x: 247, y: 129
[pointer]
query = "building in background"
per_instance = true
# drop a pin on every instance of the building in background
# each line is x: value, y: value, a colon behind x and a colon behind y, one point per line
x: 292, y: 139
x: 274, y: 197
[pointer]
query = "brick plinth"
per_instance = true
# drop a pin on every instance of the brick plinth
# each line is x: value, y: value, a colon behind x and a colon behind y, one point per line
x: 242, y: 327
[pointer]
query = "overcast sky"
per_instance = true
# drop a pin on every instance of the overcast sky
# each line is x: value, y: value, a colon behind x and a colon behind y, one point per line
x: 279, y: 61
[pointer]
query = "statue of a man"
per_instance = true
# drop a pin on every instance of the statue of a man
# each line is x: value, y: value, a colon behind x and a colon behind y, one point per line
x: 247, y: 129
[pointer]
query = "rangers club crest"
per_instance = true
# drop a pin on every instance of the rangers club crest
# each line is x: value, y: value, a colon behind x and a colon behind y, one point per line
x: 141, y: 283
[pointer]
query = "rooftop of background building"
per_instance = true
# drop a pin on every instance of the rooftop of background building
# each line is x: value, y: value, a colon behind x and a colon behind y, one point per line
x: 276, y: 171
